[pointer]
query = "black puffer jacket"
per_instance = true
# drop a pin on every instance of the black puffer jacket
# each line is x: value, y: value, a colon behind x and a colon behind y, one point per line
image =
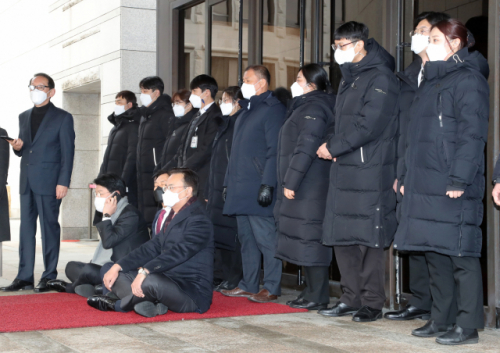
x: 445, y: 151
x: 174, y: 141
x: 120, y: 155
x: 4, y: 201
x: 300, y: 221
x: 361, y: 201
x: 154, y: 129
x: 225, y: 227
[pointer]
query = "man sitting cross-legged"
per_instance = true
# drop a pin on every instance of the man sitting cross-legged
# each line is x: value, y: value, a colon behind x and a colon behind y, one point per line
x: 173, y: 270
x: 121, y: 228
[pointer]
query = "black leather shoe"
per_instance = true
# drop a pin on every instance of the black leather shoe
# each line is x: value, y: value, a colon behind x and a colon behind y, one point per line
x: 306, y: 304
x: 17, y: 285
x: 102, y: 302
x: 85, y: 290
x: 431, y: 329
x: 149, y: 309
x: 458, y: 336
x: 367, y: 314
x: 57, y: 285
x: 339, y: 309
x: 98, y: 289
x: 296, y: 300
x: 225, y: 285
x: 409, y: 313
x: 216, y: 282
x: 42, y: 286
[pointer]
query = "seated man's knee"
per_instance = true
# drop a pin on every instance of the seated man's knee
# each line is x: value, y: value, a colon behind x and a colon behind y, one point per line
x: 70, y: 269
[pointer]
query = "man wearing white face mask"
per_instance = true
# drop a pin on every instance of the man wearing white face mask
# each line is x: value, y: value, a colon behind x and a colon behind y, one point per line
x: 120, y: 155
x: 46, y: 145
x: 175, y: 267
x: 411, y: 78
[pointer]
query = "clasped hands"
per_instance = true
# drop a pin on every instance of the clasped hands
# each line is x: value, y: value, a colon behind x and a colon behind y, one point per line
x: 111, y: 276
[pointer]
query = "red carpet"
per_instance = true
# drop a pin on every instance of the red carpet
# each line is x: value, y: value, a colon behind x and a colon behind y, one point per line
x: 60, y: 310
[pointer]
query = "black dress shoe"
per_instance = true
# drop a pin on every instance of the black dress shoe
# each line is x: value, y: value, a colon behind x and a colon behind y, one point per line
x: 85, y: 290
x: 98, y: 289
x: 57, y: 285
x: 42, y: 286
x: 216, y: 282
x: 409, y: 313
x: 339, y: 309
x: 458, y: 336
x: 226, y: 285
x: 17, y: 285
x: 150, y: 309
x: 102, y: 302
x: 431, y: 329
x: 306, y: 304
x: 296, y: 300
x: 367, y: 314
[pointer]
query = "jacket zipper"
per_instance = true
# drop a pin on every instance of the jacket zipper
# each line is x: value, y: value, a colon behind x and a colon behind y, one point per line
x: 446, y: 154
x: 362, y: 157
x: 227, y: 152
x: 440, y: 110
x: 460, y: 238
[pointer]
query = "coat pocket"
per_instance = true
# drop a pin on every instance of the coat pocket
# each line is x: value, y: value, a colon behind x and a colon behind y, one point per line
x: 258, y: 166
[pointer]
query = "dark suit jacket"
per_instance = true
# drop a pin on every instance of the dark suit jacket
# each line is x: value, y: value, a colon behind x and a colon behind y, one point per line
x: 47, y: 161
x: 4, y: 202
x: 184, y: 252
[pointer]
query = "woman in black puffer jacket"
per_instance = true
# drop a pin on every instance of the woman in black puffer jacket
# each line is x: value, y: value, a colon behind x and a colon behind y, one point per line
x: 444, y: 184
x: 304, y: 180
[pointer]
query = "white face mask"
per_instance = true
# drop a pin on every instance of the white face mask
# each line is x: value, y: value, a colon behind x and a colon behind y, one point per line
x: 38, y: 97
x: 119, y: 109
x: 195, y: 101
x: 437, y: 52
x: 171, y: 198
x: 297, y: 90
x: 345, y: 56
x: 179, y: 110
x: 248, y: 90
x: 418, y: 43
x: 226, y: 108
x: 146, y: 99
x: 99, y: 203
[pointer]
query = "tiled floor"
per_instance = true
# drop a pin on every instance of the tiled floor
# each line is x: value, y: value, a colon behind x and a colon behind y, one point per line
x: 302, y: 332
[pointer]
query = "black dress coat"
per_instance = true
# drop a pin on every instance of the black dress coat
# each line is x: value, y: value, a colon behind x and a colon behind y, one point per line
x: 154, y: 128
x: 496, y: 172
x: 120, y: 155
x: 445, y: 151
x: 184, y: 252
x: 361, y: 201
x: 225, y: 227
x: 300, y: 221
x: 4, y: 200
x: 174, y: 141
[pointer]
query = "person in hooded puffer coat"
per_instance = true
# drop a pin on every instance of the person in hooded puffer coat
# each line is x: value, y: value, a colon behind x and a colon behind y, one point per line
x: 120, y: 155
x: 360, y: 219
x: 443, y: 188
x: 155, y: 126
x: 303, y: 180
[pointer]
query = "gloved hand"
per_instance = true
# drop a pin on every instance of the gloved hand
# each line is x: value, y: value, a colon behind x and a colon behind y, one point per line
x: 265, y: 195
x: 224, y: 194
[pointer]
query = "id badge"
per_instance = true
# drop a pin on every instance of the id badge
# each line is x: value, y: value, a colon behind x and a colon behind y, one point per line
x: 194, y: 142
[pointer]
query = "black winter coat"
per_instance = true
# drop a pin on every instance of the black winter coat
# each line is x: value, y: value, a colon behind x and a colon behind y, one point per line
x: 4, y: 200
x: 300, y: 221
x: 120, y: 155
x: 154, y: 129
x: 447, y: 133
x: 253, y: 157
x: 174, y: 141
x: 225, y: 227
x: 361, y: 201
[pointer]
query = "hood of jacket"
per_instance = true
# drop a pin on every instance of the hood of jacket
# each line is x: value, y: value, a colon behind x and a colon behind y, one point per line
x: 183, y: 120
x: 376, y: 57
x: 474, y: 61
x: 316, y: 97
x: 132, y: 114
x: 162, y: 101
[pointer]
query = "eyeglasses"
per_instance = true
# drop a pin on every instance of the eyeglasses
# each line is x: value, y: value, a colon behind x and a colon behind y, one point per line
x: 176, y: 103
x: 424, y: 31
x: 343, y: 45
x: 171, y: 187
x: 100, y: 194
x: 222, y: 101
x: 39, y: 87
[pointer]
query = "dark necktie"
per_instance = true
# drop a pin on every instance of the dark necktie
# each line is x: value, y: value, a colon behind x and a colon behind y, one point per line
x: 159, y: 221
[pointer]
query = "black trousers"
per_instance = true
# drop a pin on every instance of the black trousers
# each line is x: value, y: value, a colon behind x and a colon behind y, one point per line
x: 317, y: 289
x: 419, y: 281
x: 227, y: 264
x: 82, y: 273
x: 457, y: 290
x: 157, y: 288
x: 362, y: 275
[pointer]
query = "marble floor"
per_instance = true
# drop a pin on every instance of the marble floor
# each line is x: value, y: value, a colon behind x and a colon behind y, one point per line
x: 301, y: 332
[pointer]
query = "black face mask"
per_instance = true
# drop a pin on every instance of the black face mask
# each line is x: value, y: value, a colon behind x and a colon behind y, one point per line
x: 159, y: 194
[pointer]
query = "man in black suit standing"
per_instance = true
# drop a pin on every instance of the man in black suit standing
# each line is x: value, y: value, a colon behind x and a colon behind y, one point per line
x: 46, y: 145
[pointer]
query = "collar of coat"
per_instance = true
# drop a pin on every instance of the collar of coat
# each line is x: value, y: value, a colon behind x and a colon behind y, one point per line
x: 131, y: 115
x: 461, y: 59
x: 266, y: 97
x: 162, y: 101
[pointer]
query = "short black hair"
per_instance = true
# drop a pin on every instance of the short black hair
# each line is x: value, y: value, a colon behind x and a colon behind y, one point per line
x: 283, y: 95
x: 234, y: 92
x: 352, y: 31
x: 190, y: 178
x: 261, y: 72
x: 112, y: 182
x: 128, y: 96
x: 205, y: 82
x: 160, y: 172
x: 49, y: 79
x: 152, y: 82
x: 432, y: 17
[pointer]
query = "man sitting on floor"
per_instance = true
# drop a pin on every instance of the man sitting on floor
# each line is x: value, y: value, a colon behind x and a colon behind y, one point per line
x: 175, y: 268
x: 122, y: 229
